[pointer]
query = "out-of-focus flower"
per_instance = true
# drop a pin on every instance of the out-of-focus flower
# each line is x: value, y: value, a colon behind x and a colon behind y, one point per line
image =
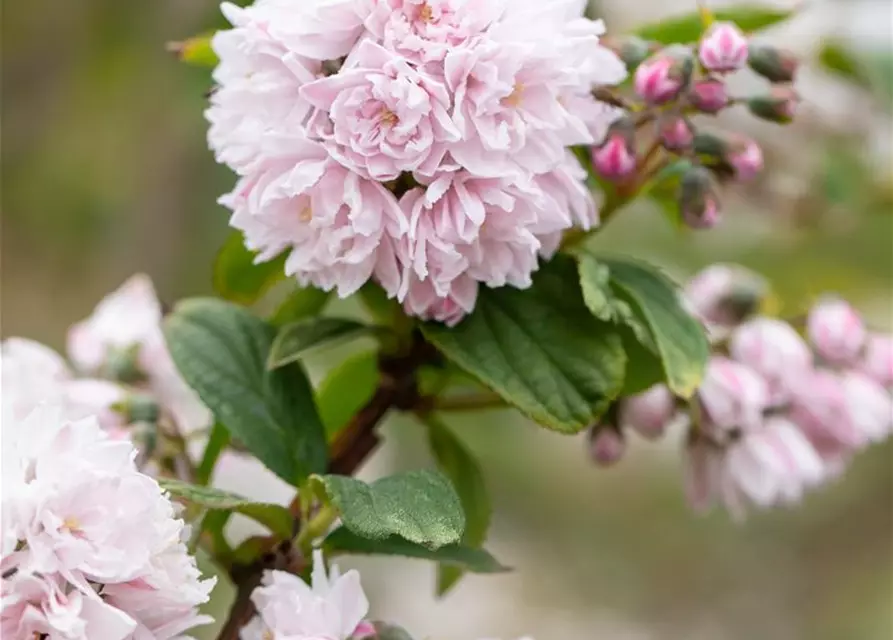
x: 332, y: 607
x: 676, y: 133
x: 869, y: 407
x: 732, y: 396
x: 779, y: 105
x: 723, y: 48
x: 615, y: 157
x: 725, y: 295
x: 649, y: 412
x: 606, y: 445
x: 632, y: 50
x: 836, y: 331
x: 709, y: 95
x: 745, y: 157
x: 773, y: 349
x: 819, y: 406
x: 877, y: 360
x: 776, y: 65
x: 663, y: 76
x: 698, y: 201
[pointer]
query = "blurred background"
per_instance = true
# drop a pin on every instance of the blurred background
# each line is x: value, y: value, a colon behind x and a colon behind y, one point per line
x: 105, y: 172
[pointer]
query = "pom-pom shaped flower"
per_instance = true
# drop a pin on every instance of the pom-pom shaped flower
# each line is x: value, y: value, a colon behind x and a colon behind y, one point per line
x: 81, y: 524
x: 837, y: 331
x: 333, y: 111
x: 332, y: 607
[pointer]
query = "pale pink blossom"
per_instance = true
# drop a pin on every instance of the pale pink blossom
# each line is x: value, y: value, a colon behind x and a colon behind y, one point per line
x: 650, y: 412
x: 331, y: 607
x: 869, y: 407
x: 836, y: 331
x: 820, y: 406
x: 422, y: 300
x: 732, y: 396
x: 723, y: 48
x: 745, y: 156
x: 380, y: 117
x: 336, y: 226
x: 773, y: 349
x: 606, y: 445
x: 877, y: 360
x: 723, y: 295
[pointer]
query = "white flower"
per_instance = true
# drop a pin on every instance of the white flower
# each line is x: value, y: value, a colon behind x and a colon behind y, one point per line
x: 331, y: 608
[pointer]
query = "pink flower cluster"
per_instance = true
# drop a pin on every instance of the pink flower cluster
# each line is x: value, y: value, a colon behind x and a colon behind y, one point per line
x: 91, y: 548
x: 419, y: 143
x: 122, y: 372
x: 776, y: 414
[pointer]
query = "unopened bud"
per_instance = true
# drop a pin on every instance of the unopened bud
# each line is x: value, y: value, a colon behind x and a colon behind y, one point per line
x: 744, y: 156
x: 779, y: 105
x: 836, y: 331
x: 632, y: 50
x: 776, y: 65
x: 732, y: 396
x: 698, y: 202
x: 723, y: 48
x: 676, y: 133
x: 649, y: 412
x: 709, y: 95
x: 663, y: 76
x: 141, y: 407
x: 122, y: 365
x: 772, y: 348
x: 615, y: 158
x: 725, y: 294
x: 606, y: 445
x: 877, y: 360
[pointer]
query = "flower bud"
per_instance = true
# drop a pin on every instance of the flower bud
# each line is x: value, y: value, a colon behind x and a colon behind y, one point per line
x: 774, y: 350
x: 732, y: 396
x: 776, y: 65
x: 745, y: 157
x: 632, y: 50
x: 779, y: 105
x: 709, y: 95
x: 615, y: 158
x: 662, y: 77
x: 676, y: 133
x: 606, y: 445
x: 698, y: 202
x: 122, y: 365
x: 725, y: 295
x: 877, y: 361
x: 649, y: 412
x: 723, y: 48
x: 836, y: 331
x: 869, y: 407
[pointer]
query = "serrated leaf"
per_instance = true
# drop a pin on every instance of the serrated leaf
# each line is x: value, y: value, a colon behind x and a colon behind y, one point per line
x: 346, y: 389
x: 295, y: 339
x: 420, y: 506
x: 301, y: 303
x: 221, y: 349
x: 690, y: 27
x: 457, y: 556
x: 273, y: 516
x: 540, y: 349
x: 236, y: 275
x: 460, y: 466
x: 601, y: 297
x: 678, y: 338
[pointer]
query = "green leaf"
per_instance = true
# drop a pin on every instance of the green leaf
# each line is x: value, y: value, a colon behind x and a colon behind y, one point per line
x: 217, y: 442
x: 457, y: 556
x: 540, y: 349
x: 295, y: 339
x: 236, y: 276
x: 196, y: 51
x: 678, y: 338
x: 273, y: 516
x: 221, y: 349
x: 690, y: 26
x: 301, y: 303
x: 601, y: 297
x: 459, y: 465
x: 643, y: 366
x: 420, y: 506
x: 346, y: 389
x: 836, y: 58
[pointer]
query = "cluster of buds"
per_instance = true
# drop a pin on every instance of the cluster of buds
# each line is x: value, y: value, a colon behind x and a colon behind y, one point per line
x: 782, y: 407
x: 675, y: 84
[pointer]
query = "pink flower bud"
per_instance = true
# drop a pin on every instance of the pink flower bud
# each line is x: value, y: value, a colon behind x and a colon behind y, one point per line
x: 676, y: 133
x: 877, y: 361
x: 703, y: 473
x: 819, y: 407
x: 836, y: 331
x: 606, y: 445
x: 773, y: 349
x: 732, y: 396
x: 661, y: 78
x: 745, y: 157
x: 723, y: 48
x: 615, y: 158
x: 709, y: 95
x: 698, y: 202
x: 649, y: 412
x: 869, y: 407
x: 724, y: 294
x: 779, y: 105
x: 776, y: 65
